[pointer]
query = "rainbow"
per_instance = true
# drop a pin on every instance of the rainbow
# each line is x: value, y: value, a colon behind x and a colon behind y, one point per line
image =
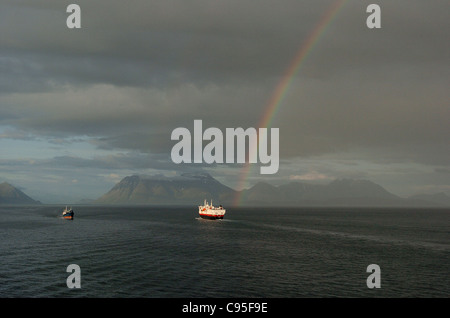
x: 283, y: 86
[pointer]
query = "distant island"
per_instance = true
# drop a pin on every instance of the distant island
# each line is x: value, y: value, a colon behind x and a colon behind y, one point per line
x: 192, y: 189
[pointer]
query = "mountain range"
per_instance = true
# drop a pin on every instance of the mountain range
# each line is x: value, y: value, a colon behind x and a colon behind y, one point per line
x: 188, y: 189
x: 192, y: 189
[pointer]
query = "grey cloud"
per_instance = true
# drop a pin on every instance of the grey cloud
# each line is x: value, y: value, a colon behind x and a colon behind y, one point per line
x: 168, y: 42
x: 442, y: 170
x: 133, y: 73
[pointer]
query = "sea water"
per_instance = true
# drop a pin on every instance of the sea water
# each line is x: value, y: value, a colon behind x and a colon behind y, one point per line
x: 253, y: 252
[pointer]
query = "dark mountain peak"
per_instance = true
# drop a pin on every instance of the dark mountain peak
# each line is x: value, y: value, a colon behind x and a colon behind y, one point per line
x: 7, y: 189
x: 358, y: 188
x: 187, y: 188
x: 133, y: 178
x: 128, y: 182
x: 263, y: 186
x: 11, y: 195
x: 6, y: 186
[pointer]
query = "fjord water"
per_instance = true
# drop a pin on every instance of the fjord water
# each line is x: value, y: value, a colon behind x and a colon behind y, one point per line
x: 253, y: 252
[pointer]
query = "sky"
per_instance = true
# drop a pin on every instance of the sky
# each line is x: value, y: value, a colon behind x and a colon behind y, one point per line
x: 82, y: 108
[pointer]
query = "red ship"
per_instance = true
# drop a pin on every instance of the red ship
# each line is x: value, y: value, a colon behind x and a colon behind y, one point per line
x: 209, y: 211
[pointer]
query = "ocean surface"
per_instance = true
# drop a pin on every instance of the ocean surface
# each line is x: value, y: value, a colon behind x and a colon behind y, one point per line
x: 253, y: 252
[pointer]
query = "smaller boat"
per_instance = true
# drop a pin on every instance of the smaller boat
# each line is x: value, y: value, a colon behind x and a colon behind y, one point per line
x: 68, y: 213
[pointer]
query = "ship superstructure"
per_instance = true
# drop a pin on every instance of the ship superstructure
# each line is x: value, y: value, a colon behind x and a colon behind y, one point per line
x: 68, y: 213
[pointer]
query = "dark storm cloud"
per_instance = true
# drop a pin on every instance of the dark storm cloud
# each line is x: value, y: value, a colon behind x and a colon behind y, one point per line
x: 151, y: 42
x: 135, y: 71
x: 157, y: 41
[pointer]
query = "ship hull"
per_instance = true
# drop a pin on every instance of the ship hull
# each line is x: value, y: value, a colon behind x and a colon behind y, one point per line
x: 68, y: 216
x: 211, y: 216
